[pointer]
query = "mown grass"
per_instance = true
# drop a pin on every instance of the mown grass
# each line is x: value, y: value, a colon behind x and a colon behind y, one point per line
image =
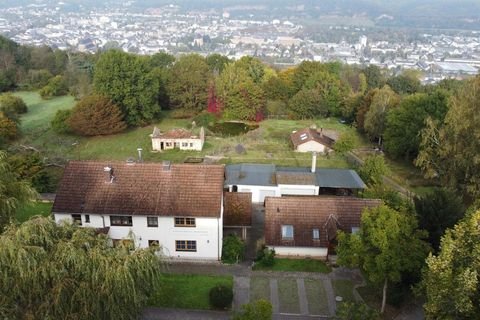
x: 27, y: 211
x: 296, y: 265
x: 344, y: 289
x: 186, y: 291
x: 317, y: 297
x: 288, y: 295
x: 259, y: 288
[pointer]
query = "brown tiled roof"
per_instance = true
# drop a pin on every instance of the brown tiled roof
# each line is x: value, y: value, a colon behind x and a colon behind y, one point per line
x: 237, y: 209
x: 308, y: 134
x: 308, y: 213
x: 298, y: 178
x: 141, y: 189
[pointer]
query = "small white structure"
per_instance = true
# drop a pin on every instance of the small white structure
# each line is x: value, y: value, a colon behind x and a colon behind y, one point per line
x: 311, y: 140
x: 177, y: 207
x: 177, y: 138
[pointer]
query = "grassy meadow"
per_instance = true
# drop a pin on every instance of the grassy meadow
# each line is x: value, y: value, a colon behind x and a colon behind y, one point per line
x: 269, y: 143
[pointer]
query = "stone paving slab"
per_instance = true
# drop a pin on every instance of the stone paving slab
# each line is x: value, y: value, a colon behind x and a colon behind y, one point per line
x: 241, y: 287
x: 274, y: 295
x: 183, y: 314
x: 302, y: 296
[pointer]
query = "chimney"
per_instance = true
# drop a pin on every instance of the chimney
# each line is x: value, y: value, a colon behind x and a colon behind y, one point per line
x: 166, y: 165
x: 110, y: 176
x: 140, y: 154
x: 314, y: 161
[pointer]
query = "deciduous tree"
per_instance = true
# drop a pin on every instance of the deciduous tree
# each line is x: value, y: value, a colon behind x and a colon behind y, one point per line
x: 376, y: 118
x: 187, y: 84
x: 387, y: 245
x: 13, y: 193
x: 451, y: 280
x: 49, y: 271
x: 127, y: 80
x: 404, y: 124
x: 449, y: 150
x: 436, y: 212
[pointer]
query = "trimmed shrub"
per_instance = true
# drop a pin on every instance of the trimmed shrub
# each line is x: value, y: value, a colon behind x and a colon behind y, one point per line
x: 59, y: 124
x: 56, y: 86
x: 265, y: 257
x: 8, y: 129
x: 257, y: 310
x: 12, y: 106
x: 233, y: 249
x: 96, y: 115
x: 221, y: 297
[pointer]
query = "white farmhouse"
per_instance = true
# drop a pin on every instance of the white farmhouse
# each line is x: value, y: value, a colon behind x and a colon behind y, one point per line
x: 177, y: 138
x: 176, y: 206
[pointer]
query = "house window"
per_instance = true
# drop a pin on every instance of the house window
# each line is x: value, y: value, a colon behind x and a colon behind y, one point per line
x: 168, y: 144
x: 355, y: 230
x: 287, y: 232
x: 184, y: 222
x: 184, y: 144
x: 316, y: 234
x: 152, y: 221
x: 87, y: 218
x: 121, y: 221
x: 77, y: 219
x: 191, y: 144
x: 153, y: 243
x: 186, y: 245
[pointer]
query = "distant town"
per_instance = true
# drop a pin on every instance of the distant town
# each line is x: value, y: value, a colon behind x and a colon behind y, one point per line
x: 280, y: 42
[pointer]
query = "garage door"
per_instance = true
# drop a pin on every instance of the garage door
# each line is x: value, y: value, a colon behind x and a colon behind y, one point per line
x: 265, y: 193
x: 299, y: 192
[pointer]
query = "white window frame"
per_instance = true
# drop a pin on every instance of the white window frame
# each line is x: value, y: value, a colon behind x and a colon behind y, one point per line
x: 287, y: 232
x: 316, y: 234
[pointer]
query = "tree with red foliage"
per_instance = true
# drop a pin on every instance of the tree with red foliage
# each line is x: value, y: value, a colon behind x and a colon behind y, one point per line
x: 213, y: 103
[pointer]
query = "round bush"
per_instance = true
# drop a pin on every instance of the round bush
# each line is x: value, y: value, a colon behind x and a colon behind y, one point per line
x: 221, y: 297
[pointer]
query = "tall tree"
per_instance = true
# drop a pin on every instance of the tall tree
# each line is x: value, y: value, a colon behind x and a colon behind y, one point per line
x: 241, y: 98
x: 436, y: 212
x: 451, y: 279
x: 375, y: 78
x: 127, y: 80
x: 449, y: 151
x: 49, y: 271
x: 388, y: 245
x: 217, y: 62
x: 330, y: 89
x: 96, y: 115
x: 404, y: 124
x: 375, y: 119
x: 188, y: 81
x: 13, y: 193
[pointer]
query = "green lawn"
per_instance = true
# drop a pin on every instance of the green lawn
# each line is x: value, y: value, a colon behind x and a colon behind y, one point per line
x: 259, y: 288
x: 186, y: 291
x: 344, y: 289
x: 41, y: 112
x: 296, y: 265
x: 270, y: 143
x: 37, y: 208
x: 288, y: 295
x: 317, y: 297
